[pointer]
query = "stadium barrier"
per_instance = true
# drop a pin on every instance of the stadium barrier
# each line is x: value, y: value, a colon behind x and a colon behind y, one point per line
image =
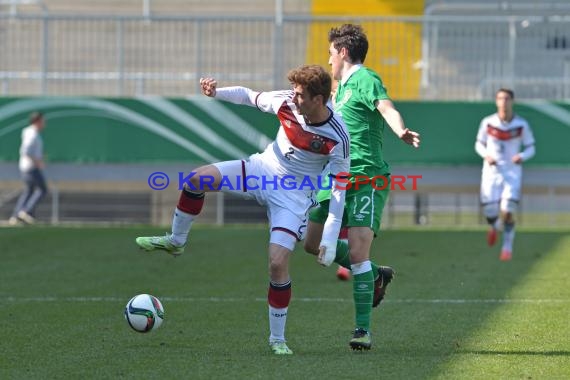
x: 102, y: 151
x: 448, y: 197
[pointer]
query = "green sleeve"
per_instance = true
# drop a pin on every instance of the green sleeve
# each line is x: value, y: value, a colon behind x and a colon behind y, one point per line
x: 372, y: 91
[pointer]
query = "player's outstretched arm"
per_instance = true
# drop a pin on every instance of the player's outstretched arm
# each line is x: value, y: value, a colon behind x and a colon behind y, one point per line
x: 395, y: 121
x: 234, y: 94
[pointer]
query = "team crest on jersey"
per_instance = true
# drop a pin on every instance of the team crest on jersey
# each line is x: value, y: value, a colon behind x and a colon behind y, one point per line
x: 345, y: 98
x: 316, y: 144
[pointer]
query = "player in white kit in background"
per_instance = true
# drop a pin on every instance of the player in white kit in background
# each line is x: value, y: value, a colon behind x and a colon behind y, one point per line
x: 310, y: 136
x: 499, y: 141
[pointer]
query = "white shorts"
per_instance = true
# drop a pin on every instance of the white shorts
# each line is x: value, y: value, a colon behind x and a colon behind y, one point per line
x: 501, y: 183
x: 286, y: 209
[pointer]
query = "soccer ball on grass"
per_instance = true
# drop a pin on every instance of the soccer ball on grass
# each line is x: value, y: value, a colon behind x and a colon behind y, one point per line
x: 144, y: 313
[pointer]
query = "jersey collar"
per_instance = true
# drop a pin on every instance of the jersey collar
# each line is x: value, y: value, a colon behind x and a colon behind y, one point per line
x: 350, y: 71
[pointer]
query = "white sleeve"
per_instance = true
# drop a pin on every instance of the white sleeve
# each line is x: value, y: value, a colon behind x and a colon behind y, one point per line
x: 528, y: 143
x: 273, y: 101
x: 528, y: 152
x: 480, y: 149
x: 265, y: 101
x: 336, y: 210
x: 339, y: 168
x: 481, y: 142
x: 237, y: 95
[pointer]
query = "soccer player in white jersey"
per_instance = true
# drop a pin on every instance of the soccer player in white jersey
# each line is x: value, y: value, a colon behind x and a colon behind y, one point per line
x: 310, y: 136
x: 499, y: 142
x: 31, y: 169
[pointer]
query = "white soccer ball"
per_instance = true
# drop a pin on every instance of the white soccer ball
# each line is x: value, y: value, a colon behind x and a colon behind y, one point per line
x: 144, y: 313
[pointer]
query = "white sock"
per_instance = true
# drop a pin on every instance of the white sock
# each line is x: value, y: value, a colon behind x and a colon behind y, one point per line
x: 360, y: 268
x: 277, y: 321
x: 181, y: 223
x: 508, y: 239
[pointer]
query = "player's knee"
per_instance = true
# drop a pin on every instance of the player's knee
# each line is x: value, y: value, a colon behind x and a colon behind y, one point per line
x: 507, y: 217
x: 274, y: 267
x: 200, y: 180
x: 491, y: 210
x: 191, y: 185
x: 277, y: 265
x: 359, y: 251
x: 509, y: 206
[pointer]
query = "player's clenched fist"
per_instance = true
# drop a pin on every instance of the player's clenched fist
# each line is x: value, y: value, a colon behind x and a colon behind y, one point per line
x: 208, y: 86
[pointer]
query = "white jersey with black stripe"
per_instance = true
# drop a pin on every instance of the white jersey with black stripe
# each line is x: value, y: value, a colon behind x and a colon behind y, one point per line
x: 301, y: 151
x: 502, y: 140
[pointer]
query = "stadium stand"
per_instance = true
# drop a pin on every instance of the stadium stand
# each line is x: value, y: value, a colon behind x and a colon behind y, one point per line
x: 484, y: 45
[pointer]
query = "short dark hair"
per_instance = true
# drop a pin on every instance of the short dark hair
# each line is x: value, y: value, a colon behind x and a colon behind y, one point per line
x: 314, y: 78
x: 508, y: 91
x: 353, y: 39
x: 35, y: 117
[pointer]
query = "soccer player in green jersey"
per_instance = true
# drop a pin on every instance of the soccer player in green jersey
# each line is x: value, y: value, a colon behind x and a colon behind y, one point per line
x: 365, y: 107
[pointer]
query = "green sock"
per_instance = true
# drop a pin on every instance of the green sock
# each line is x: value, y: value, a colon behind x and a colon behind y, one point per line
x: 375, y: 272
x: 343, y: 258
x: 363, y: 291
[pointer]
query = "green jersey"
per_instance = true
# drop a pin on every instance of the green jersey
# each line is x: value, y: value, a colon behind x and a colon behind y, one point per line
x: 354, y: 101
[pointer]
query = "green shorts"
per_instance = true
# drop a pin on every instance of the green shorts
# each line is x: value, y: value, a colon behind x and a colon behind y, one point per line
x: 362, y: 208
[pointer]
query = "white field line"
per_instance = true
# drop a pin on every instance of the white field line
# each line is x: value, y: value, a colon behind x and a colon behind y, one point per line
x: 301, y: 299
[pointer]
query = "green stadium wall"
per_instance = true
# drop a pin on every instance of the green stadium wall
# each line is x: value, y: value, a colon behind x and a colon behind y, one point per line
x: 198, y: 130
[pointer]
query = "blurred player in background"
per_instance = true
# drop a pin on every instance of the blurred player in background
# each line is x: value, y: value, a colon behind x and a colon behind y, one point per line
x: 310, y: 136
x: 364, y: 105
x: 499, y: 142
x: 31, y: 167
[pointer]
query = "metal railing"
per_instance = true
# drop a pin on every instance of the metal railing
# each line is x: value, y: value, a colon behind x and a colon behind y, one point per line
x: 457, y: 57
x: 444, y: 196
x: 437, y: 208
x: 14, y: 4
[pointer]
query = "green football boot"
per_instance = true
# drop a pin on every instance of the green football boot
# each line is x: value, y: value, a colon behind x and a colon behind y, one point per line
x: 280, y: 348
x: 360, y: 340
x: 159, y: 243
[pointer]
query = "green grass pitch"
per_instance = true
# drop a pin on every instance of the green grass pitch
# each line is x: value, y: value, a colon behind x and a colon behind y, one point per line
x: 454, y: 310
